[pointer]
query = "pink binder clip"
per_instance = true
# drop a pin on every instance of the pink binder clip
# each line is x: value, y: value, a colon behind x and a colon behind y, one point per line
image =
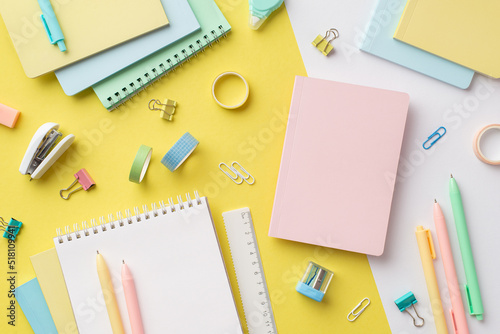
x: 85, y: 181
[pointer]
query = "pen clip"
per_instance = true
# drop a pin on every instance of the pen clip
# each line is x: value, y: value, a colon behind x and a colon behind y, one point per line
x: 431, y: 244
x: 453, y: 322
x: 469, y: 300
x: 47, y: 29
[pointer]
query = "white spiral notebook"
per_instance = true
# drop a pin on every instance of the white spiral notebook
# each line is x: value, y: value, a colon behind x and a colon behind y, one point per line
x: 173, y: 253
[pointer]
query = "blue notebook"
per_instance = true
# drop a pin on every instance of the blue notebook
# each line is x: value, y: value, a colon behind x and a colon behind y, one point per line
x: 379, y: 41
x: 30, y: 298
x: 89, y: 71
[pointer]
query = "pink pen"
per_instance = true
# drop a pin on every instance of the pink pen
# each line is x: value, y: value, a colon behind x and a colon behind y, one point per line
x: 457, y: 308
x: 134, y: 312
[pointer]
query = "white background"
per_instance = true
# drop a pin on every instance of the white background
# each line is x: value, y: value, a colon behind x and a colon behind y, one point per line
x: 423, y: 175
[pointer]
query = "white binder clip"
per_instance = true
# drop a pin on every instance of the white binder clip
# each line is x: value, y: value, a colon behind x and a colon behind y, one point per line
x: 42, y: 151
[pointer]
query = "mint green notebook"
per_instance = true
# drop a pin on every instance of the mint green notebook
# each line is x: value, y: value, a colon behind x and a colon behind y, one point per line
x: 118, y: 88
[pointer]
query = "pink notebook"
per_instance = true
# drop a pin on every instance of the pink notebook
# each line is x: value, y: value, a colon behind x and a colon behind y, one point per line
x: 339, y: 164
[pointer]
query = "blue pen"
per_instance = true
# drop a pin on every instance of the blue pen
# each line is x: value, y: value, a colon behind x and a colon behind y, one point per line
x: 260, y: 11
x: 51, y: 25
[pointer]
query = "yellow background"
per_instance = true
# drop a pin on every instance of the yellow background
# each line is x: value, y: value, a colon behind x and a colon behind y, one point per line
x: 106, y: 144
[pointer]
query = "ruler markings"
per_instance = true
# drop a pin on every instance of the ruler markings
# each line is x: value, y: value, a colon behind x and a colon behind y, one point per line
x: 249, y: 271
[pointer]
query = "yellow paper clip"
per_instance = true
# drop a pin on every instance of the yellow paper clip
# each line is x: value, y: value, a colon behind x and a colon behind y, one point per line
x: 323, y: 43
x: 357, y: 310
x: 167, y: 108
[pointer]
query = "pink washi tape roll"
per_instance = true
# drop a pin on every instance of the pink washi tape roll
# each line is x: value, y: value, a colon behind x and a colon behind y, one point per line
x: 8, y: 116
x: 477, y: 144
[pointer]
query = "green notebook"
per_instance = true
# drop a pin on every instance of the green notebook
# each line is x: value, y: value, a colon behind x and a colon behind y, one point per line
x: 118, y: 88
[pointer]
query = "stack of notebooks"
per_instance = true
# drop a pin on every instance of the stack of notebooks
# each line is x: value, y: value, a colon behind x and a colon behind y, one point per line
x: 117, y: 59
x: 446, y: 40
x: 178, y: 269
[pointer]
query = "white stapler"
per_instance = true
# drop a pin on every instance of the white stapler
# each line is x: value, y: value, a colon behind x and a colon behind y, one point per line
x: 39, y: 157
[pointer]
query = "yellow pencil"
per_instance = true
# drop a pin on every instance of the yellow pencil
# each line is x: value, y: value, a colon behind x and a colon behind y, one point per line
x: 109, y: 296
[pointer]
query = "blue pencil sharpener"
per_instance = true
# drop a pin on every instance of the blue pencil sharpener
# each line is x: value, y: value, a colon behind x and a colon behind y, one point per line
x: 315, y: 282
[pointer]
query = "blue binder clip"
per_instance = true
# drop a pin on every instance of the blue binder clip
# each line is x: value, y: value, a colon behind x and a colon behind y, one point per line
x: 404, y: 302
x: 11, y: 229
x: 436, y: 134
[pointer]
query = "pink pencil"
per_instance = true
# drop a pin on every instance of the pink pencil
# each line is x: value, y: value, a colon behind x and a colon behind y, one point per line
x: 457, y: 307
x: 134, y: 312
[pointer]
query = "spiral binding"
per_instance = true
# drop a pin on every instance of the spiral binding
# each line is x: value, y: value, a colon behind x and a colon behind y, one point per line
x: 156, y: 73
x: 95, y: 228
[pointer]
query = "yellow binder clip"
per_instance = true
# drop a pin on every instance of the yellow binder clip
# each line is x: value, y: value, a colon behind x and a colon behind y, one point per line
x: 167, y: 108
x: 323, y: 43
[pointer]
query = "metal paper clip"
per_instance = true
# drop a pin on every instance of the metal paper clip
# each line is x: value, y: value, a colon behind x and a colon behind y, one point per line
x: 235, y: 177
x: 355, y: 314
x: 237, y: 174
x: 85, y: 181
x: 404, y: 302
x: 248, y: 175
x: 11, y: 229
x: 323, y: 43
x: 167, y: 108
x: 434, y: 134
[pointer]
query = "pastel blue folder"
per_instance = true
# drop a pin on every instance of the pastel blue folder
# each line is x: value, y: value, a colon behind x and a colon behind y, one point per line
x: 30, y: 297
x: 379, y: 41
x: 89, y: 71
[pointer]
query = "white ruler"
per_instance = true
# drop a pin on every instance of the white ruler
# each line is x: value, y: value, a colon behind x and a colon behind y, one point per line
x: 249, y: 271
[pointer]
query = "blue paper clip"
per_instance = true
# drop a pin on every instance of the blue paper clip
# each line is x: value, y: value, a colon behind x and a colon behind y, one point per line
x: 404, y: 302
x: 434, y: 134
x: 11, y: 229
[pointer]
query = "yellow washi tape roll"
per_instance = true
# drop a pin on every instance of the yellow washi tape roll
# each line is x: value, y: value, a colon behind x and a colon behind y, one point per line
x: 214, y: 88
x: 477, y: 144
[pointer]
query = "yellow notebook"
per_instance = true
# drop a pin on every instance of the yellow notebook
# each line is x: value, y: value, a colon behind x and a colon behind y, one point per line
x: 463, y: 31
x: 88, y: 26
x: 51, y: 280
